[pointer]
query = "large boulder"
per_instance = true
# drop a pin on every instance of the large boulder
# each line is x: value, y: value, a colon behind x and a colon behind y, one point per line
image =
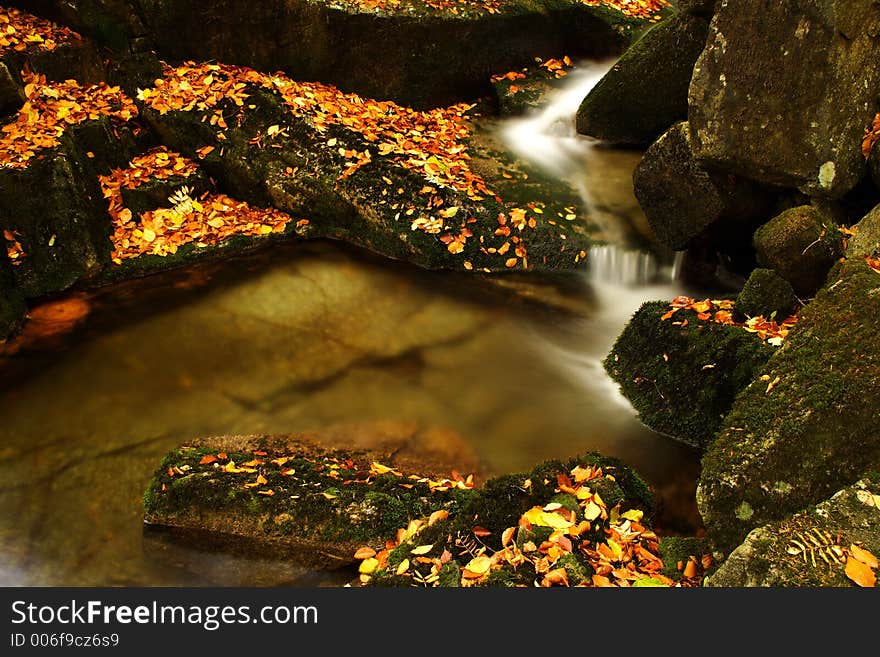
x: 808, y: 427
x: 801, y: 245
x: 785, y: 99
x: 765, y: 294
x: 439, y: 52
x: 12, y: 306
x: 816, y: 547
x: 682, y: 374
x: 683, y: 200
x: 866, y: 241
x: 625, y: 106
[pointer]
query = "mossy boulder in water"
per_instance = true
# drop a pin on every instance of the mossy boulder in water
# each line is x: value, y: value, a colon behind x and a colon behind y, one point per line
x: 812, y: 547
x: 801, y: 245
x: 685, y: 202
x: 785, y: 446
x: 765, y: 294
x: 645, y: 92
x: 682, y: 374
x: 785, y: 99
x: 312, y: 497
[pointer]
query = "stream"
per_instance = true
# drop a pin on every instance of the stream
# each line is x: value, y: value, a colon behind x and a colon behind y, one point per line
x: 307, y: 335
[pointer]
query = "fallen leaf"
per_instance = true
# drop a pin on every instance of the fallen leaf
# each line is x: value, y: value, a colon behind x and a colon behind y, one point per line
x: 860, y: 573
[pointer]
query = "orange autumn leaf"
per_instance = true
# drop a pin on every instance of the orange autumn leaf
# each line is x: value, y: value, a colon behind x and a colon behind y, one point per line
x: 364, y: 553
x: 864, y: 556
x: 860, y: 573
x: 209, y: 458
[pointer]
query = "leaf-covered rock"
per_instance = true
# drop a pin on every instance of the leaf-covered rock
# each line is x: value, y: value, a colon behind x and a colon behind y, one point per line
x: 627, y: 106
x: 681, y: 374
x: 801, y: 245
x: 312, y: 497
x: 786, y: 99
x: 784, y: 447
x: 814, y: 547
x: 685, y: 202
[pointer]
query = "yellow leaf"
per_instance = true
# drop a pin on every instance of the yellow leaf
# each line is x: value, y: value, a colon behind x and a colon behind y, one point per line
x: 437, y: 516
x: 149, y: 235
x: 479, y: 565
x: 860, y: 573
x: 422, y: 549
x: 615, y: 548
x: 368, y: 566
x: 329, y: 496
x: 448, y: 213
x: 592, y: 510
x: 273, y: 130
x: 633, y: 514
x: 262, y: 480
x: 507, y: 536
x: 403, y: 567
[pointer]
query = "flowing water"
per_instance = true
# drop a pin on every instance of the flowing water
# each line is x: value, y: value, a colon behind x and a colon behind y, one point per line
x: 310, y: 335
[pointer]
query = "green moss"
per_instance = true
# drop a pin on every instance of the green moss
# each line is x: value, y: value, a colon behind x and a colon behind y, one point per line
x: 677, y: 549
x: 766, y: 294
x: 816, y: 430
x: 682, y: 380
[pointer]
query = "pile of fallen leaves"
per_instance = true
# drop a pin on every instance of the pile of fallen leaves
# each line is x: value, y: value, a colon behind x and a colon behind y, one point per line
x: 20, y: 31
x: 204, y: 221
x: 626, y: 554
x: 552, y: 68
x: 720, y: 311
x: 430, y: 142
x: 342, y: 470
x: 648, y: 9
x: 50, y: 109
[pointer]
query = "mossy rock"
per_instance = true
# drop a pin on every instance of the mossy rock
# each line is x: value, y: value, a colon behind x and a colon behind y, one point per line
x: 646, y: 91
x: 155, y: 193
x: 866, y: 241
x: 801, y: 245
x: 677, y: 550
x: 436, y: 56
x: 809, y: 548
x: 766, y: 294
x: 321, y: 507
x: 682, y: 380
x: 815, y: 431
x: 687, y: 204
x: 11, y: 89
x: 12, y: 305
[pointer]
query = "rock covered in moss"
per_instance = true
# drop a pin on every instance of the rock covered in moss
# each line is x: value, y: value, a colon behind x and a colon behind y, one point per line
x: 11, y: 90
x: 684, y: 201
x: 315, y: 497
x: 682, y: 378
x: 696, y: 7
x: 678, y: 551
x: 801, y: 245
x: 12, y: 306
x: 760, y: 84
x: 812, y: 547
x: 645, y: 92
x: 438, y: 55
x: 766, y: 294
x: 785, y: 446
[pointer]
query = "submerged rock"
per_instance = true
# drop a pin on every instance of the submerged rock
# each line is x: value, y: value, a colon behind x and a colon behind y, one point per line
x: 793, y: 443
x: 312, y: 497
x: 647, y: 89
x: 684, y: 201
x: 682, y: 376
x: 786, y: 99
x: 800, y: 245
x: 812, y: 547
x: 766, y: 294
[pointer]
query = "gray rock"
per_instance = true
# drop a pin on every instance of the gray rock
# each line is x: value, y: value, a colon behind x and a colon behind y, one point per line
x: 785, y: 99
x: 813, y: 431
x: 775, y: 554
x: 866, y: 241
x: 646, y: 91
x: 766, y: 293
x: 800, y: 245
x: 682, y: 200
